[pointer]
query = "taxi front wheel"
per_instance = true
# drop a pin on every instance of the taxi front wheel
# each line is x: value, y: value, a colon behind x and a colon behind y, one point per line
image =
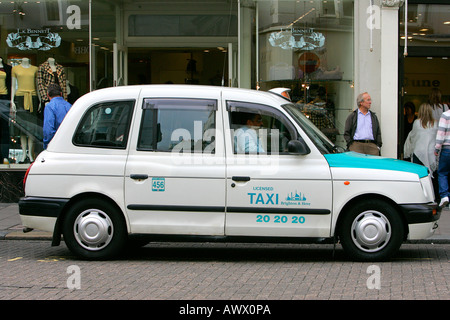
x: 94, y: 229
x: 371, y: 231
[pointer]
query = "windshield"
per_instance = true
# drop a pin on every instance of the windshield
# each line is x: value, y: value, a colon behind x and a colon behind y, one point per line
x: 318, y: 138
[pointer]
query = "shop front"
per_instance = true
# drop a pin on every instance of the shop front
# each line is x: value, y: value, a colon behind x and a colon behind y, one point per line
x: 41, y: 42
x: 321, y: 50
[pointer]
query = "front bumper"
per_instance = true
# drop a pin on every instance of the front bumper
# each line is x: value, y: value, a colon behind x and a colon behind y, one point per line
x: 421, y: 219
x: 421, y: 213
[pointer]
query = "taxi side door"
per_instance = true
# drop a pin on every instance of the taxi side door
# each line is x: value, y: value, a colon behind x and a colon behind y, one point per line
x: 274, y: 193
x: 175, y: 167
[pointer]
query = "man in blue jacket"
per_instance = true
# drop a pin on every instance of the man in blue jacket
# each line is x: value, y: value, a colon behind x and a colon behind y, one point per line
x: 54, y: 112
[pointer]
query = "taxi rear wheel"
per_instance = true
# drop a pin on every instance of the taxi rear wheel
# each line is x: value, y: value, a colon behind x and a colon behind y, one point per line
x: 371, y: 231
x: 94, y: 229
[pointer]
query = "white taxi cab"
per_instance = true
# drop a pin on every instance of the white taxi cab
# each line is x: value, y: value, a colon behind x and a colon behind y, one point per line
x: 178, y: 163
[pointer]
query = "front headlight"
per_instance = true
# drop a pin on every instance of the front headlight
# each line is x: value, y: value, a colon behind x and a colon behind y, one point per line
x: 427, y: 188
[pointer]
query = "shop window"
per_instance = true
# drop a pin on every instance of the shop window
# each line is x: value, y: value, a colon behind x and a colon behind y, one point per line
x: 178, y: 125
x: 305, y: 46
x: 43, y: 42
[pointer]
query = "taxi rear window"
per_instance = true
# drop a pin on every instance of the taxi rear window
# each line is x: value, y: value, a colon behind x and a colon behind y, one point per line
x: 105, y: 125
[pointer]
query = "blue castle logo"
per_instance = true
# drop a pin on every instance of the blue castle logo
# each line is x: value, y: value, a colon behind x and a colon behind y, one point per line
x: 296, y: 197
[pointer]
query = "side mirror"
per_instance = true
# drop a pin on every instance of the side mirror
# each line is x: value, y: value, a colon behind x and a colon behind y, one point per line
x: 298, y: 147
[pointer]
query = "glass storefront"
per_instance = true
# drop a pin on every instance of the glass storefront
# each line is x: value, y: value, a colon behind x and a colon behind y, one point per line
x: 307, y: 46
x: 42, y: 42
x: 85, y: 45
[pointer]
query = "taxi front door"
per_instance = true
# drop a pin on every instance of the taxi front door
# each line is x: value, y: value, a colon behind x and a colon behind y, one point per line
x: 276, y: 194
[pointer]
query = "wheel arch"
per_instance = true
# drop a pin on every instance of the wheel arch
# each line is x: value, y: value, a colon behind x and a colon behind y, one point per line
x: 57, y: 232
x: 365, y: 197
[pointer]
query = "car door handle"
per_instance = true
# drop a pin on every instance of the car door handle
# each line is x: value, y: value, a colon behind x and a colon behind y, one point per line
x: 139, y: 176
x: 240, y: 178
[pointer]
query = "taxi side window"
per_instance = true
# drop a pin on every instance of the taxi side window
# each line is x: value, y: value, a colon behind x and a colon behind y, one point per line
x: 263, y: 124
x: 178, y: 125
x: 105, y: 125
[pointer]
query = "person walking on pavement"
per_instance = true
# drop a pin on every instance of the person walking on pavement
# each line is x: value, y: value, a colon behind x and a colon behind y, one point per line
x: 362, y: 129
x: 54, y: 112
x: 435, y: 100
x: 442, y: 150
x: 421, y: 141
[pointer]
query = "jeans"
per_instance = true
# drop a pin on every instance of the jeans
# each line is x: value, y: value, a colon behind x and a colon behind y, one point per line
x: 443, y: 172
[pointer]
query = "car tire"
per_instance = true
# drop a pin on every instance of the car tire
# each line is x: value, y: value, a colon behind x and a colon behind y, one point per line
x: 371, y: 231
x: 94, y: 229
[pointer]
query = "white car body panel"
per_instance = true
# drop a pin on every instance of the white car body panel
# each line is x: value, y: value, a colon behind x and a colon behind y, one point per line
x: 288, y: 195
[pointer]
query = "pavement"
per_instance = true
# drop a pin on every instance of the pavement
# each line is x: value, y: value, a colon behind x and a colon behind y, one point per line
x: 12, y: 229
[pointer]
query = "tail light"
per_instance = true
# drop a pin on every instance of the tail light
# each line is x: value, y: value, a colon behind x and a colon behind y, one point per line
x: 26, y: 176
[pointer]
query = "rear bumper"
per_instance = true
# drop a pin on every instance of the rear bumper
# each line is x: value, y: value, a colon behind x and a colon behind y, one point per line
x: 42, y: 213
x: 41, y: 207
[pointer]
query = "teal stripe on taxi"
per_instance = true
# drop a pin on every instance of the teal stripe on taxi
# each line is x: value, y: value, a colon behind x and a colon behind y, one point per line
x: 363, y: 161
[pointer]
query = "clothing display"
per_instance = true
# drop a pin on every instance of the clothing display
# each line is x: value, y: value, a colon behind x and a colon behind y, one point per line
x: 50, y: 72
x: 3, y: 88
x: 5, y: 79
x: 25, y: 102
x: 26, y: 84
x: 5, y: 98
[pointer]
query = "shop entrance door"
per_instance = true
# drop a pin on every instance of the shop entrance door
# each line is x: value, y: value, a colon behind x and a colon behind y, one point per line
x: 419, y: 75
x: 424, y: 62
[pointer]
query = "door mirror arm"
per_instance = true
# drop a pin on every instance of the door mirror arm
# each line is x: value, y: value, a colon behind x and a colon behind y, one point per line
x: 298, y: 147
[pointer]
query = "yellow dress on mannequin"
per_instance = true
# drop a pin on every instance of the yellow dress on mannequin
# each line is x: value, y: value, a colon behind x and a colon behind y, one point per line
x: 25, y: 103
x: 3, y: 88
x: 26, y: 80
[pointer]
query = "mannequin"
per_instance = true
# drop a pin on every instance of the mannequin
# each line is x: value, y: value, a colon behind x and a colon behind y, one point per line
x: 51, y: 62
x: 5, y: 97
x: 5, y: 80
x: 24, y: 102
x: 50, y: 72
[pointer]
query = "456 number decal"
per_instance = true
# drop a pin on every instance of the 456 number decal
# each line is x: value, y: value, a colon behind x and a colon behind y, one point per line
x: 265, y: 218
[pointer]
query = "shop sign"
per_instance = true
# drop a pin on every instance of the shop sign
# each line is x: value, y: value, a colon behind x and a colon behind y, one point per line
x: 422, y: 83
x: 295, y: 38
x: 29, y: 39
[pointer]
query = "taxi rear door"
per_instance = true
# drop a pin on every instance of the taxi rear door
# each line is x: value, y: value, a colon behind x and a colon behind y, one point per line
x: 175, y: 173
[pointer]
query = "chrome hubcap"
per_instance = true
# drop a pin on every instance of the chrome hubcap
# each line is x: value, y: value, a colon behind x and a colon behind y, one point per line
x: 93, y: 229
x: 371, y: 231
